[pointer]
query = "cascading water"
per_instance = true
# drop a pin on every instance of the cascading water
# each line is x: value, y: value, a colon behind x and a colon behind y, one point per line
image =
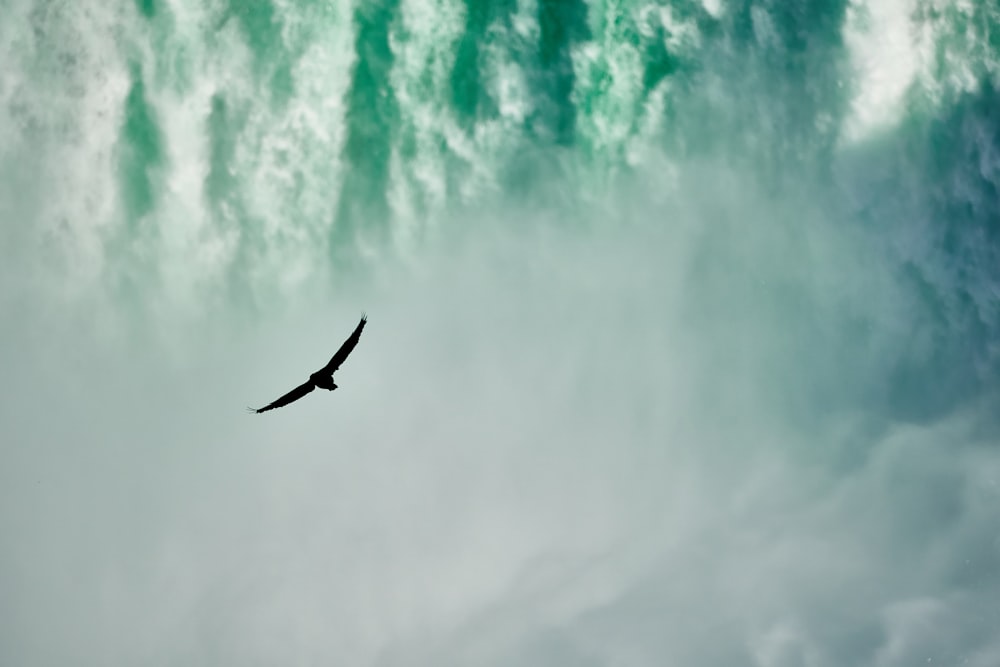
x: 683, y: 342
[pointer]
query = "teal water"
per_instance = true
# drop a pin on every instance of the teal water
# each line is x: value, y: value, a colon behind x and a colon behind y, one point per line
x: 683, y: 342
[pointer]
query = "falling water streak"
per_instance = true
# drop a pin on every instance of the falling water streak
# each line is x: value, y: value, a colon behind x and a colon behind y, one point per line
x: 697, y: 319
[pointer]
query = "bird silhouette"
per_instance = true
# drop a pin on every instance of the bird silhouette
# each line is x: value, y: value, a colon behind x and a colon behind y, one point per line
x: 321, y: 378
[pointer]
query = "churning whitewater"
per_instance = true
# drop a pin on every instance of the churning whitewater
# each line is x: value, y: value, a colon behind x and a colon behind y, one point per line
x: 688, y: 343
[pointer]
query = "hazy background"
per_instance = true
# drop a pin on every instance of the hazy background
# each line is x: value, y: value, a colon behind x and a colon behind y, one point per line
x: 682, y: 346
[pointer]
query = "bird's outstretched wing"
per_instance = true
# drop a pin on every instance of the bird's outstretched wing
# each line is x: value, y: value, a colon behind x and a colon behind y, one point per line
x: 346, y: 348
x: 293, y: 395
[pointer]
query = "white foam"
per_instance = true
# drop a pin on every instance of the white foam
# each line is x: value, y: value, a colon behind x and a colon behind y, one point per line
x: 66, y: 86
x: 882, y: 42
x: 618, y: 117
x: 713, y: 7
x: 958, y: 35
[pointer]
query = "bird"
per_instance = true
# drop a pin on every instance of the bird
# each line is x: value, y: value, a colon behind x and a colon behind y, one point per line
x: 323, y: 377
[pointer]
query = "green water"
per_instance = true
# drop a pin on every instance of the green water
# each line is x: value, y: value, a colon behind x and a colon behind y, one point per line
x: 683, y: 342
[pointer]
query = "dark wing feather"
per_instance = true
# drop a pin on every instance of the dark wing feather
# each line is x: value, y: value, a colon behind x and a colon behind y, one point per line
x: 346, y: 348
x: 293, y: 395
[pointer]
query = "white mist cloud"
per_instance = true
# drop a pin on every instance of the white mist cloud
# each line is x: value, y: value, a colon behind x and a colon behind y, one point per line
x: 634, y: 447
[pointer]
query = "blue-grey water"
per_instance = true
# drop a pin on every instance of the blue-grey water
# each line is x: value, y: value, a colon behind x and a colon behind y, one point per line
x: 684, y: 339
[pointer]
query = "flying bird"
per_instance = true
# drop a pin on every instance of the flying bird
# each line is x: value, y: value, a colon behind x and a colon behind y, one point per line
x: 321, y: 378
